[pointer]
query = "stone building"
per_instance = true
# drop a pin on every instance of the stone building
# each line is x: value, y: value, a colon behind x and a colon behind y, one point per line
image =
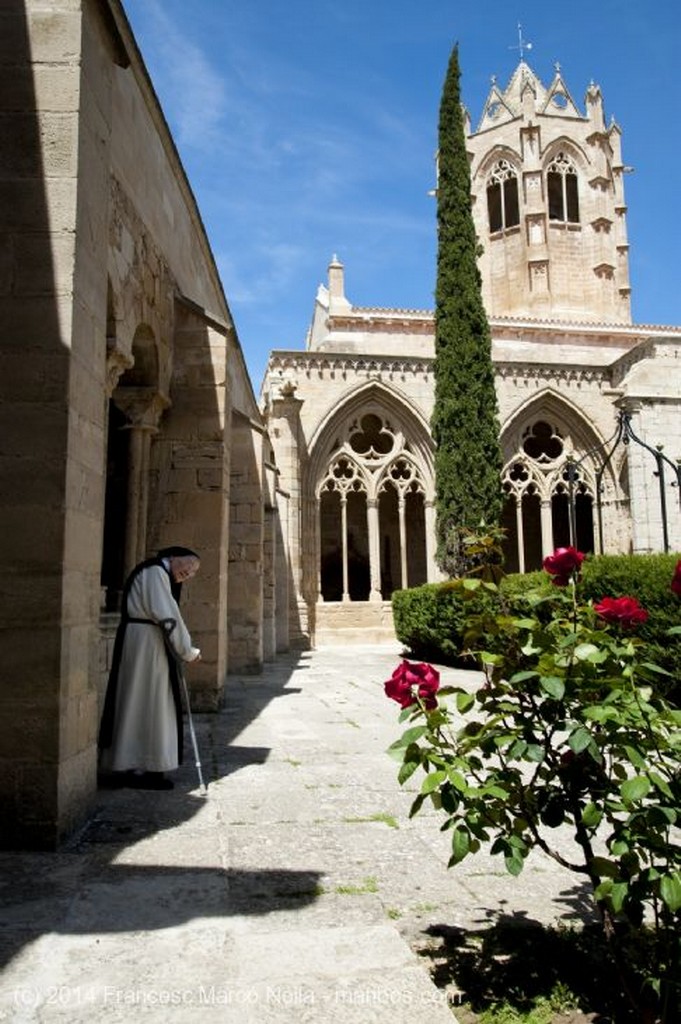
x: 128, y: 418
x: 348, y: 418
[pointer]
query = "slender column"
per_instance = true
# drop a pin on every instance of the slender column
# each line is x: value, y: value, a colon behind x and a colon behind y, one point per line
x: 404, y: 582
x: 143, y: 409
x: 344, y: 541
x: 374, y: 549
x: 138, y: 494
x: 546, y: 528
x: 520, y: 533
x: 598, y: 546
x: 318, y: 547
x: 432, y: 571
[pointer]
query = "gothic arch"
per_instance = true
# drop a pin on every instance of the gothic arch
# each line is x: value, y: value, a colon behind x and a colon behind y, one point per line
x: 569, y: 146
x: 493, y: 156
x: 548, y: 504
x: 382, y: 395
x: 370, y: 492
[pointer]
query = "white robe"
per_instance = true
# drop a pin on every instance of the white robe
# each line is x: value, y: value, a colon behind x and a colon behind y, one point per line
x: 145, y: 722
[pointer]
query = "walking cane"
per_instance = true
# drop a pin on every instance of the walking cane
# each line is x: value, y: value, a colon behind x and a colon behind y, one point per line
x: 192, y: 733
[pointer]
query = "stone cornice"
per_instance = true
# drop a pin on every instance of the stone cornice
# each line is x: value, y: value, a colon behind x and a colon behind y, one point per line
x: 283, y: 364
x: 421, y: 321
x: 562, y: 372
x: 344, y: 363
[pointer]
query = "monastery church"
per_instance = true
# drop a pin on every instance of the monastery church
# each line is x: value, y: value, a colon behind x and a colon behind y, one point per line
x: 348, y: 418
x: 129, y: 421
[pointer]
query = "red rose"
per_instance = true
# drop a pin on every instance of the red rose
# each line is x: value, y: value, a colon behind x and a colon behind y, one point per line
x: 562, y: 564
x: 409, y: 677
x: 623, y: 611
x: 676, y: 579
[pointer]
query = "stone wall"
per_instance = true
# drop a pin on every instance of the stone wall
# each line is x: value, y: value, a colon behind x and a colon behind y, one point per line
x: 109, y: 299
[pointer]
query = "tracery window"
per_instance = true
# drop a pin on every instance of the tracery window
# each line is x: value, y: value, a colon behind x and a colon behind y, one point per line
x: 561, y: 187
x: 537, y: 513
x: 502, y: 197
x: 371, y: 502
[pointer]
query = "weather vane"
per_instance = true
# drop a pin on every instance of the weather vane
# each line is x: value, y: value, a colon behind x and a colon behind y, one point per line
x: 522, y: 44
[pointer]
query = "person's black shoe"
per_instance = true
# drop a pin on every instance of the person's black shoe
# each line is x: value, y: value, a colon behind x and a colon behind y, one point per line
x: 113, y: 780
x: 150, y: 780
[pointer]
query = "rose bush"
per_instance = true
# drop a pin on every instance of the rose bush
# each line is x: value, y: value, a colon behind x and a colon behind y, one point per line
x: 565, y: 729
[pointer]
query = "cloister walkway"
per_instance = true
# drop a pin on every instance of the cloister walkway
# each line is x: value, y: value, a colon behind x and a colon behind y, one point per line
x: 297, y: 888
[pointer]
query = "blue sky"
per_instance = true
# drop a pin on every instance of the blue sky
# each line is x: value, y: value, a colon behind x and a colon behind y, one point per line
x: 307, y: 128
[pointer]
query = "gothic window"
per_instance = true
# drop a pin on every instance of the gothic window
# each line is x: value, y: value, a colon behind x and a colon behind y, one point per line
x: 543, y: 508
x: 371, y: 502
x: 502, y: 197
x: 561, y: 187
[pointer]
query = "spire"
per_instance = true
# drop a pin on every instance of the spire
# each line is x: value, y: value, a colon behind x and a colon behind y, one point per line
x: 337, y: 298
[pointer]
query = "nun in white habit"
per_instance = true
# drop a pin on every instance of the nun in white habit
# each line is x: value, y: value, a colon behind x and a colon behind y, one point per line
x: 140, y: 735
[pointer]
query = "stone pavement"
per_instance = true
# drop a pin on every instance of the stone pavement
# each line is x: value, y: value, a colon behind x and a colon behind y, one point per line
x: 297, y: 888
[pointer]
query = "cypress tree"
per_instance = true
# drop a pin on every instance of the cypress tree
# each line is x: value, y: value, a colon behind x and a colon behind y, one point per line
x: 465, y: 421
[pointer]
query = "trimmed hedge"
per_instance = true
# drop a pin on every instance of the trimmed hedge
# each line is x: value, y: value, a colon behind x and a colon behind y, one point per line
x: 429, y: 620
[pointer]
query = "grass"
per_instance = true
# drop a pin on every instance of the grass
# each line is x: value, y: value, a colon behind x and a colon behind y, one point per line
x: 387, y: 819
x: 370, y: 884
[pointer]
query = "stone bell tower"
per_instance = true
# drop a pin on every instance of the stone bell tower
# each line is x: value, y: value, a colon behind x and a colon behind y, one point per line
x: 548, y: 204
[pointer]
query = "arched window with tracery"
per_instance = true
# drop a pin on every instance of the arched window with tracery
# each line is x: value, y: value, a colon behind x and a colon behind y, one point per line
x: 562, y: 189
x: 536, y: 512
x: 502, y: 197
x: 371, y: 502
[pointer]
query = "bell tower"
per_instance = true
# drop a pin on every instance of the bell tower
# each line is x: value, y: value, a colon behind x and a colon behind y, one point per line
x: 548, y: 203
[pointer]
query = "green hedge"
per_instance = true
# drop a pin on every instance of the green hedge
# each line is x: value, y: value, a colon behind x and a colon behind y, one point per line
x: 429, y: 619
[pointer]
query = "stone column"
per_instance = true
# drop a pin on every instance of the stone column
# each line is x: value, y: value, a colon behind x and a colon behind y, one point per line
x: 143, y: 409
x: 283, y: 424
x: 344, y: 542
x: 404, y: 581
x: 432, y: 569
x: 374, y: 549
x: 520, y: 532
x: 546, y: 528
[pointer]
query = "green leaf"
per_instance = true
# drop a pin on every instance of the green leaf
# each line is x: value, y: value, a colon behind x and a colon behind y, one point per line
x: 406, y: 771
x: 417, y: 805
x: 520, y: 677
x: 604, y: 867
x: 635, y: 756
x: 618, y: 895
x: 461, y: 842
x: 635, y: 788
x: 579, y: 739
x: 410, y: 736
x: 471, y: 584
x: 655, y: 668
x: 457, y: 780
x: 492, y: 789
x: 535, y: 753
x: 583, y: 652
x: 670, y: 891
x: 433, y: 781
x: 553, y: 685
x: 591, y: 815
x: 660, y: 784
x: 464, y: 701
x: 514, y: 863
